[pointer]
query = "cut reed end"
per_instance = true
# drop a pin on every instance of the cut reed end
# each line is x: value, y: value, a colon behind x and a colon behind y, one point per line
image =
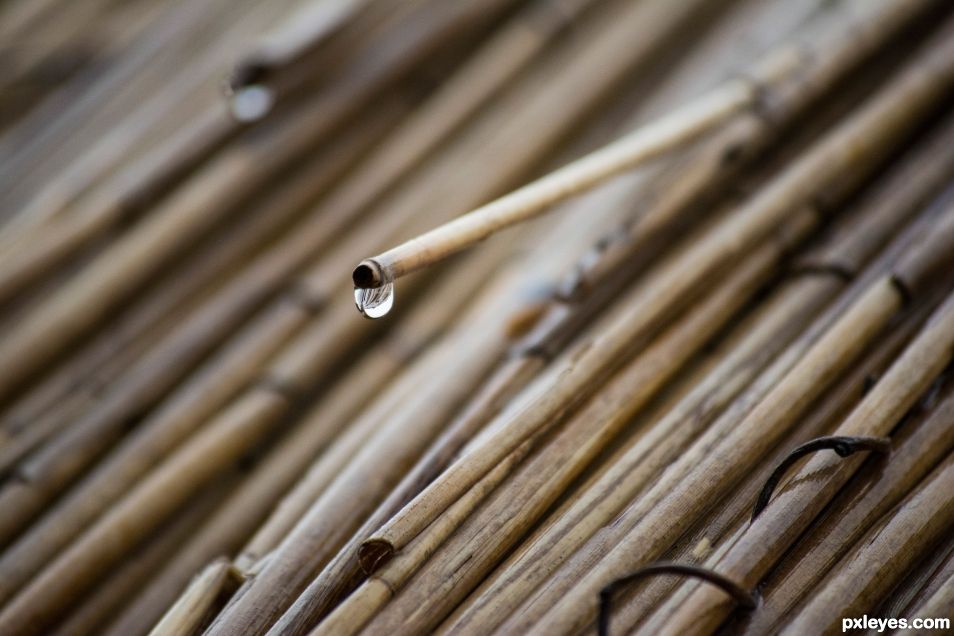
x: 247, y: 73
x: 374, y: 553
x: 368, y: 274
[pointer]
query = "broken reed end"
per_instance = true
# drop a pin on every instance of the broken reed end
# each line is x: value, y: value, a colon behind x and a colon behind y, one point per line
x: 368, y: 274
x: 374, y: 553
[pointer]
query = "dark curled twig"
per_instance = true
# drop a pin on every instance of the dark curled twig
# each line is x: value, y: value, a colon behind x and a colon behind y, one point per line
x: 844, y: 446
x: 746, y: 599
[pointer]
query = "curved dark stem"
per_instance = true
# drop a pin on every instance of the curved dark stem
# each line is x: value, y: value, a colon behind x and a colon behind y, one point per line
x: 844, y: 446
x: 746, y: 599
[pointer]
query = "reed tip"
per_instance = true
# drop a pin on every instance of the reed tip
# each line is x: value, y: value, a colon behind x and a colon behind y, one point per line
x: 374, y: 553
x: 247, y: 73
x: 367, y: 274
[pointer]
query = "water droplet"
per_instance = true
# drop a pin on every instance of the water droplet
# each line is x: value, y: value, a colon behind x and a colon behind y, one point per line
x: 251, y: 103
x: 374, y: 302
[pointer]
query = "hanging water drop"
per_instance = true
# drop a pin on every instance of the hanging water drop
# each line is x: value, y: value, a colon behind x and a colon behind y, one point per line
x: 251, y: 103
x: 374, y: 302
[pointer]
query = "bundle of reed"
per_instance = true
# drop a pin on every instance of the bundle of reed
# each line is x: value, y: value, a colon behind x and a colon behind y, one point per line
x: 676, y: 302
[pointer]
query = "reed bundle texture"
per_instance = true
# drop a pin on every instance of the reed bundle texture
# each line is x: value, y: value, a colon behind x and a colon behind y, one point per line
x: 663, y: 317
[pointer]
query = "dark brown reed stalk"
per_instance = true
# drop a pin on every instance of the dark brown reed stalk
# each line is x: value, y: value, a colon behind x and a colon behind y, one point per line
x: 873, y: 495
x: 881, y: 124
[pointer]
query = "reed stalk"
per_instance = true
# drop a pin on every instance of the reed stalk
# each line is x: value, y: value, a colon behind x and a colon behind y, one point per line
x: 200, y: 601
x: 775, y: 414
x: 883, y: 555
x: 670, y: 131
x: 709, y: 538
x: 869, y: 134
x: 327, y: 423
x: 891, y: 397
x: 197, y: 206
x: 854, y: 243
x: 874, y: 496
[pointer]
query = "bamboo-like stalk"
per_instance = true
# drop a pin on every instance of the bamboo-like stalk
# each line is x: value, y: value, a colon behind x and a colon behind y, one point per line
x: 882, y: 557
x: 802, y: 570
x: 775, y: 414
x: 672, y: 130
x: 196, y: 207
x: 881, y: 214
x: 192, y: 611
x: 882, y: 123
x: 590, y: 431
x: 711, y: 535
x: 246, y: 508
x: 794, y: 507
